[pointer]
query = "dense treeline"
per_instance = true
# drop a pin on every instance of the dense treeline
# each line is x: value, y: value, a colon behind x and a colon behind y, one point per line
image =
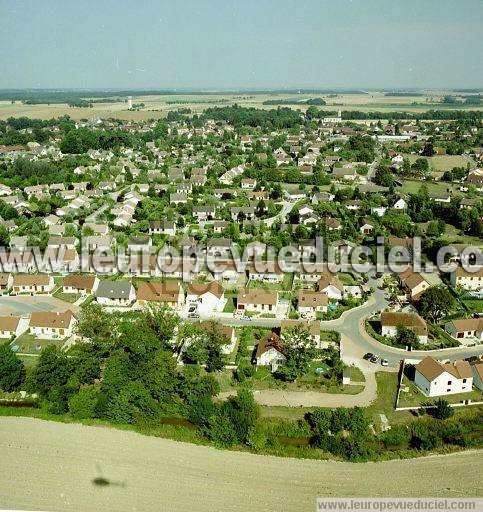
x: 83, y: 139
x: 240, y: 116
x: 429, y: 115
x: 294, y: 101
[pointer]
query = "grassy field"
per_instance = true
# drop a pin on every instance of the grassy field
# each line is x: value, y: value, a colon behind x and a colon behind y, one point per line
x: 475, y: 305
x: 441, y: 163
x: 157, y: 106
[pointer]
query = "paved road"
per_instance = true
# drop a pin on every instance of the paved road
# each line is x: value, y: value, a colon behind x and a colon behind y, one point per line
x: 286, y: 209
x: 355, y: 341
x: 23, y: 305
x: 373, y: 166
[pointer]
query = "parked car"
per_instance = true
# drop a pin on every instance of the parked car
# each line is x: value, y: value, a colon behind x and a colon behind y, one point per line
x: 368, y: 356
x: 384, y: 362
x: 374, y: 359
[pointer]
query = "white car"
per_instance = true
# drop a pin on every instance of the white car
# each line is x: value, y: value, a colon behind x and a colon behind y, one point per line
x: 384, y: 362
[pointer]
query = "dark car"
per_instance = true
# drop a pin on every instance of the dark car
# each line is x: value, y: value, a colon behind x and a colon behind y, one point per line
x: 368, y: 356
x: 374, y: 359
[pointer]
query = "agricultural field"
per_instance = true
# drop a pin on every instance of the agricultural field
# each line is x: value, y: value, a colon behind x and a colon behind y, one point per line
x: 156, y: 107
x: 108, y: 469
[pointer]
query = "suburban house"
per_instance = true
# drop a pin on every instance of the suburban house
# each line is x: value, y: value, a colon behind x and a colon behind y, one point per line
x: 225, y: 271
x: 477, y: 368
x: 311, y: 302
x: 115, y: 293
x: 32, y: 283
x: 436, y: 379
x: 331, y: 286
x: 6, y: 280
x: 391, y: 320
x: 466, y: 328
x: 257, y: 301
x: 12, y: 326
x: 468, y: 280
x: 80, y: 283
x: 218, y: 247
x: 47, y: 324
x: 206, y: 298
x: 266, y: 271
x: 270, y: 352
x: 248, y: 184
x: 169, y: 294
x: 162, y: 227
x: 413, y: 283
x: 367, y: 227
x: 203, y: 213
x: 139, y: 243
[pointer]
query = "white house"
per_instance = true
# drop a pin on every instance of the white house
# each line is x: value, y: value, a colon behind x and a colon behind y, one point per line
x: 32, y: 283
x: 436, y: 379
x: 466, y: 328
x: 468, y: 280
x: 312, y: 302
x: 206, y: 298
x: 390, y: 320
x: 115, y: 293
x: 256, y: 300
x: 270, y: 352
x: 12, y: 326
x: 47, y: 324
x: 331, y: 286
x: 400, y: 204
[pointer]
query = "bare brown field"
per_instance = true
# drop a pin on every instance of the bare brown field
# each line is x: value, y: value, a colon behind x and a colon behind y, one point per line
x: 54, y: 466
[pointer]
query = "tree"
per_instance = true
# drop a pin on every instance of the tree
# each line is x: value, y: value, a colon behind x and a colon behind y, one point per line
x: 406, y: 337
x: 12, y: 371
x: 443, y: 410
x: 299, y: 349
x: 83, y: 404
x: 94, y: 322
x: 436, y: 302
x: 52, y: 371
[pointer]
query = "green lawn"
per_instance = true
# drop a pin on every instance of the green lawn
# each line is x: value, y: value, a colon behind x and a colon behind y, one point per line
x: 66, y: 297
x: 264, y: 379
x: 413, y: 186
x: 285, y: 285
x: 29, y: 344
x: 441, y: 163
x: 230, y: 303
x: 475, y: 305
x: 356, y: 374
x: 386, y: 400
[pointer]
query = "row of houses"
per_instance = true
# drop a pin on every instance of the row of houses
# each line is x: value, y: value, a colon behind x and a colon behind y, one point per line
x: 45, y: 325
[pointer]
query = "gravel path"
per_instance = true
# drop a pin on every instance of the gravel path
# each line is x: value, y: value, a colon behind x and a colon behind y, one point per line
x: 52, y: 466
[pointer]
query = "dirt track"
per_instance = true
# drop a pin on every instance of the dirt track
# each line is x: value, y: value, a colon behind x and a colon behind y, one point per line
x: 51, y: 466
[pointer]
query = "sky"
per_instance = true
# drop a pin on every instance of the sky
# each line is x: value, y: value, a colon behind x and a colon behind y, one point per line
x: 230, y: 44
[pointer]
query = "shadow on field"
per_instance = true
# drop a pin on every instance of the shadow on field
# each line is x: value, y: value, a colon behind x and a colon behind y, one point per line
x: 101, y: 481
